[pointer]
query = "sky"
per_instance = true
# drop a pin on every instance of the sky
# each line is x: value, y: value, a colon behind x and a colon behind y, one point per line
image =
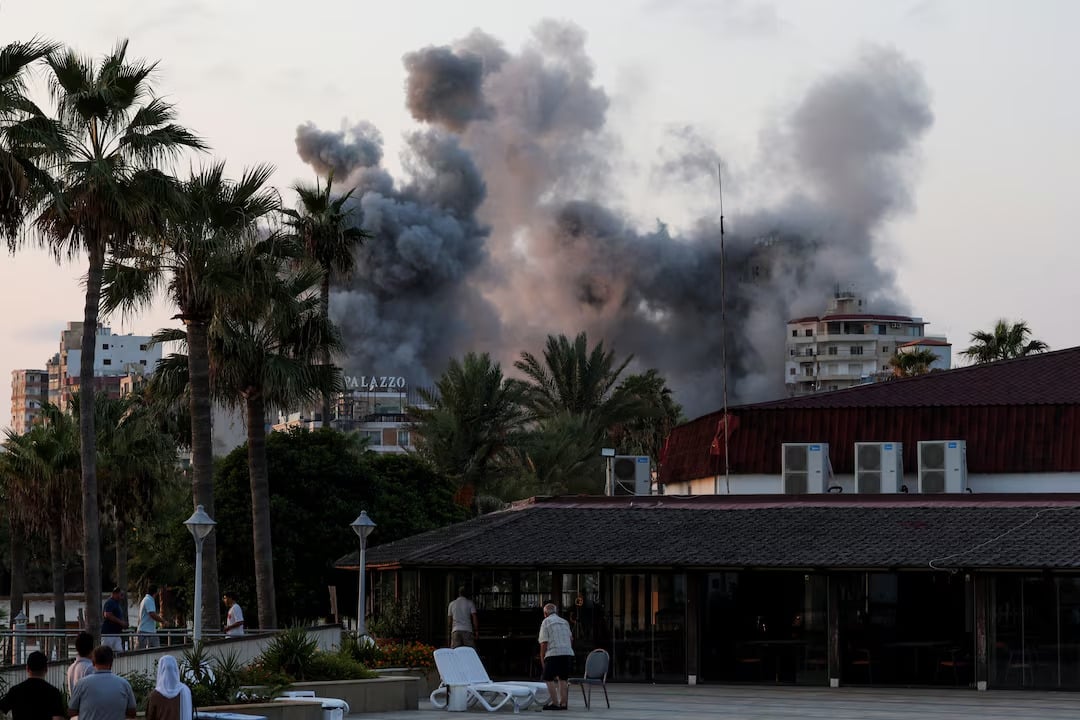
x: 986, y: 233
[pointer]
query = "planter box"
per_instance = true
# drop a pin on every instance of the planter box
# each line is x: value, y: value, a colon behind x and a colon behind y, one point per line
x: 382, y: 694
x: 429, y: 679
x: 293, y: 710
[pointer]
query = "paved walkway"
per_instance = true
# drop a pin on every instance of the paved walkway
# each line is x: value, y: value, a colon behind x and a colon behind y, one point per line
x: 680, y: 702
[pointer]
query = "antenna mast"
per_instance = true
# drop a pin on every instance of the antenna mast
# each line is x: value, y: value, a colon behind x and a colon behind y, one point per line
x: 723, y: 330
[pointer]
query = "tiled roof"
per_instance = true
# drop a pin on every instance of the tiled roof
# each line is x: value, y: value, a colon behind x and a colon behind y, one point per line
x: 926, y: 342
x: 1051, y: 378
x: 763, y: 531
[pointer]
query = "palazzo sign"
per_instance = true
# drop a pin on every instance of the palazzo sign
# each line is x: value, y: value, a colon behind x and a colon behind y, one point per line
x: 374, y: 382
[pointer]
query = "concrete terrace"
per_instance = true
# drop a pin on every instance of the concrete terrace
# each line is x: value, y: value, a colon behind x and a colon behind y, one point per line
x: 680, y: 702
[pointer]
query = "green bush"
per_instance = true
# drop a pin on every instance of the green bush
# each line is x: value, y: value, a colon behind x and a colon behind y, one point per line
x: 290, y: 653
x: 338, y: 666
x: 142, y: 684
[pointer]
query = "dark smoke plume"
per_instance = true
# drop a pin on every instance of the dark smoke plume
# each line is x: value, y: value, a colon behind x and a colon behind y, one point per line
x: 507, y: 227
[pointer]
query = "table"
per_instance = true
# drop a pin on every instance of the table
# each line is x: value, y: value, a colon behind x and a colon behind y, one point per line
x: 782, y: 646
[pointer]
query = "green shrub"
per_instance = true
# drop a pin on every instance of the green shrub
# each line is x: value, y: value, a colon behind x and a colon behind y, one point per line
x: 338, y: 666
x: 142, y: 684
x: 290, y: 653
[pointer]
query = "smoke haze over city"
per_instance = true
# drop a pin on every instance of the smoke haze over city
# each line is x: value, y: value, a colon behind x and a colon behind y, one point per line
x: 508, y: 222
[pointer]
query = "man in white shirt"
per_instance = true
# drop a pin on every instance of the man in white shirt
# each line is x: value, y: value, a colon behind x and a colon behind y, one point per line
x: 148, y: 619
x: 234, y: 620
x: 556, y: 656
x: 461, y: 617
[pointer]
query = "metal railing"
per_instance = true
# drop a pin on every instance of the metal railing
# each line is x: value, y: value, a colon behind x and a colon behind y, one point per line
x: 245, y: 648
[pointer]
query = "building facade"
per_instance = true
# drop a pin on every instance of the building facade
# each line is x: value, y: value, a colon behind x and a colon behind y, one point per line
x: 376, y: 408
x: 115, y: 357
x: 29, y: 393
x: 848, y: 346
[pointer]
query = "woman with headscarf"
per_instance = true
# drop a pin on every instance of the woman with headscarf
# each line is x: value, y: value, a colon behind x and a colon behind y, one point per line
x: 171, y: 699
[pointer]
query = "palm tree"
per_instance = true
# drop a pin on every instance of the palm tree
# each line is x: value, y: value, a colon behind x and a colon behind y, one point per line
x: 42, y: 470
x: 913, y: 362
x: 25, y: 134
x: 1007, y: 340
x: 108, y: 194
x: 198, y: 263
x: 270, y: 357
x: 136, y: 461
x: 644, y: 433
x: 473, y: 416
x: 321, y: 225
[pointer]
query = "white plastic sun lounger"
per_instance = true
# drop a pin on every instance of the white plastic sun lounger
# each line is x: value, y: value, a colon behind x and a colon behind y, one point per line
x: 457, y: 692
x: 476, y: 672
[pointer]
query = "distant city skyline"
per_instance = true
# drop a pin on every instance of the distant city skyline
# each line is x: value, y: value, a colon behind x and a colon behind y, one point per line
x: 986, y: 230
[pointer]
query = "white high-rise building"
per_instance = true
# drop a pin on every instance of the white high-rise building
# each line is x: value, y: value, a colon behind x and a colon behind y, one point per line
x: 849, y: 345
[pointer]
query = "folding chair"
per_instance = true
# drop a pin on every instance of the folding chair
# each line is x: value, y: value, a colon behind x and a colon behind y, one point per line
x: 596, y: 670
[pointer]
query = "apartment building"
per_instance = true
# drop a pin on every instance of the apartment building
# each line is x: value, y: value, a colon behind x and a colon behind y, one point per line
x: 29, y: 392
x: 374, y: 407
x: 850, y: 345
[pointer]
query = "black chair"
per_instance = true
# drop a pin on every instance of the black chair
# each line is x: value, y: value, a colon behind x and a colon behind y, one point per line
x: 596, y: 670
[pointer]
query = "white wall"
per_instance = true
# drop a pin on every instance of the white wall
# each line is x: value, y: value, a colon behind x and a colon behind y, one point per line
x: 979, y: 483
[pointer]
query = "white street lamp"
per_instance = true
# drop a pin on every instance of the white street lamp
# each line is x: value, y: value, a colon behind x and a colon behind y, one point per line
x: 362, y: 526
x: 199, y: 525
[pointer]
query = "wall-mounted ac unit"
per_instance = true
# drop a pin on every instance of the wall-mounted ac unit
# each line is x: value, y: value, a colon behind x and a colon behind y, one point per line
x: 942, y: 466
x: 631, y: 475
x: 879, y: 467
x: 806, y: 468
x: 895, y: 325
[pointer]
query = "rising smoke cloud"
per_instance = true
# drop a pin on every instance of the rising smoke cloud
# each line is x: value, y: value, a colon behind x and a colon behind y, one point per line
x: 506, y: 228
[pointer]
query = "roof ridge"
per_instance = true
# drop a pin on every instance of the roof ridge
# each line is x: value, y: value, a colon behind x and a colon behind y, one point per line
x: 469, y: 534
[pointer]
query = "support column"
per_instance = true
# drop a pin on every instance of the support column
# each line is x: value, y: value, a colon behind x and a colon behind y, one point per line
x: 982, y: 629
x: 693, y: 626
x: 834, y: 630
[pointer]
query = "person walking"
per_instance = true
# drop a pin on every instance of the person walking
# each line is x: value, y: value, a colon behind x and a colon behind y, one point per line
x: 114, y: 620
x: 83, y: 665
x: 556, y: 656
x: 101, y: 695
x: 462, y: 621
x: 149, y: 618
x: 234, y: 620
x: 34, y: 698
x: 170, y: 698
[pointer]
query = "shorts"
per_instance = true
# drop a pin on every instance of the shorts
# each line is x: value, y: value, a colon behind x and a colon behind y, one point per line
x: 462, y: 637
x: 557, y: 667
x: 114, y: 642
x: 146, y: 641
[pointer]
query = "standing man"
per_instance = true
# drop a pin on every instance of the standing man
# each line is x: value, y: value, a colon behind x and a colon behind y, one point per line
x: 234, y: 620
x: 461, y: 621
x: 556, y: 656
x: 34, y: 698
x: 83, y: 665
x: 148, y: 621
x: 101, y: 694
x: 114, y: 620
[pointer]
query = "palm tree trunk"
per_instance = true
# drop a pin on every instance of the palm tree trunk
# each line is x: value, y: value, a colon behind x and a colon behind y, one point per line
x: 324, y: 308
x: 91, y: 520
x: 202, y: 462
x: 121, y: 553
x: 56, y: 557
x: 18, y: 542
x: 260, y: 510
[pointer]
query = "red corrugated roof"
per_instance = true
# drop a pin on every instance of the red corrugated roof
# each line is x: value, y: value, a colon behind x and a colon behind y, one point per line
x: 1019, y: 415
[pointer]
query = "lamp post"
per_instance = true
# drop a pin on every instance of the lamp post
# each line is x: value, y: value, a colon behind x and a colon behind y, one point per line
x: 199, y: 525
x: 362, y: 526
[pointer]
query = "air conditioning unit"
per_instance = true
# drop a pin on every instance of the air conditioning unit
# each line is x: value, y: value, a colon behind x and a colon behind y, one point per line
x: 806, y: 468
x: 895, y: 325
x: 942, y: 466
x: 631, y: 475
x: 879, y: 467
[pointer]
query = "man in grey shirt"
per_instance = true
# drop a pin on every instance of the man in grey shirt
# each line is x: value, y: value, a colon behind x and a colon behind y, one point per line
x: 101, y: 695
x: 461, y: 617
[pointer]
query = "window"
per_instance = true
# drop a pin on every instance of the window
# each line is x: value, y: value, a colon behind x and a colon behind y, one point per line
x: 884, y: 348
x: 880, y: 329
x: 833, y: 328
x: 854, y: 369
x: 106, y: 361
x: 403, y: 438
x: 885, y: 367
x: 808, y: 332
x: 104, y: 346
x: 834, y: 350
x: 142, y: 348
x: 143, y: 363
x: 791, y: 371
x: 855, y: 350
x: 791, y: 352
x: 794, y: 333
